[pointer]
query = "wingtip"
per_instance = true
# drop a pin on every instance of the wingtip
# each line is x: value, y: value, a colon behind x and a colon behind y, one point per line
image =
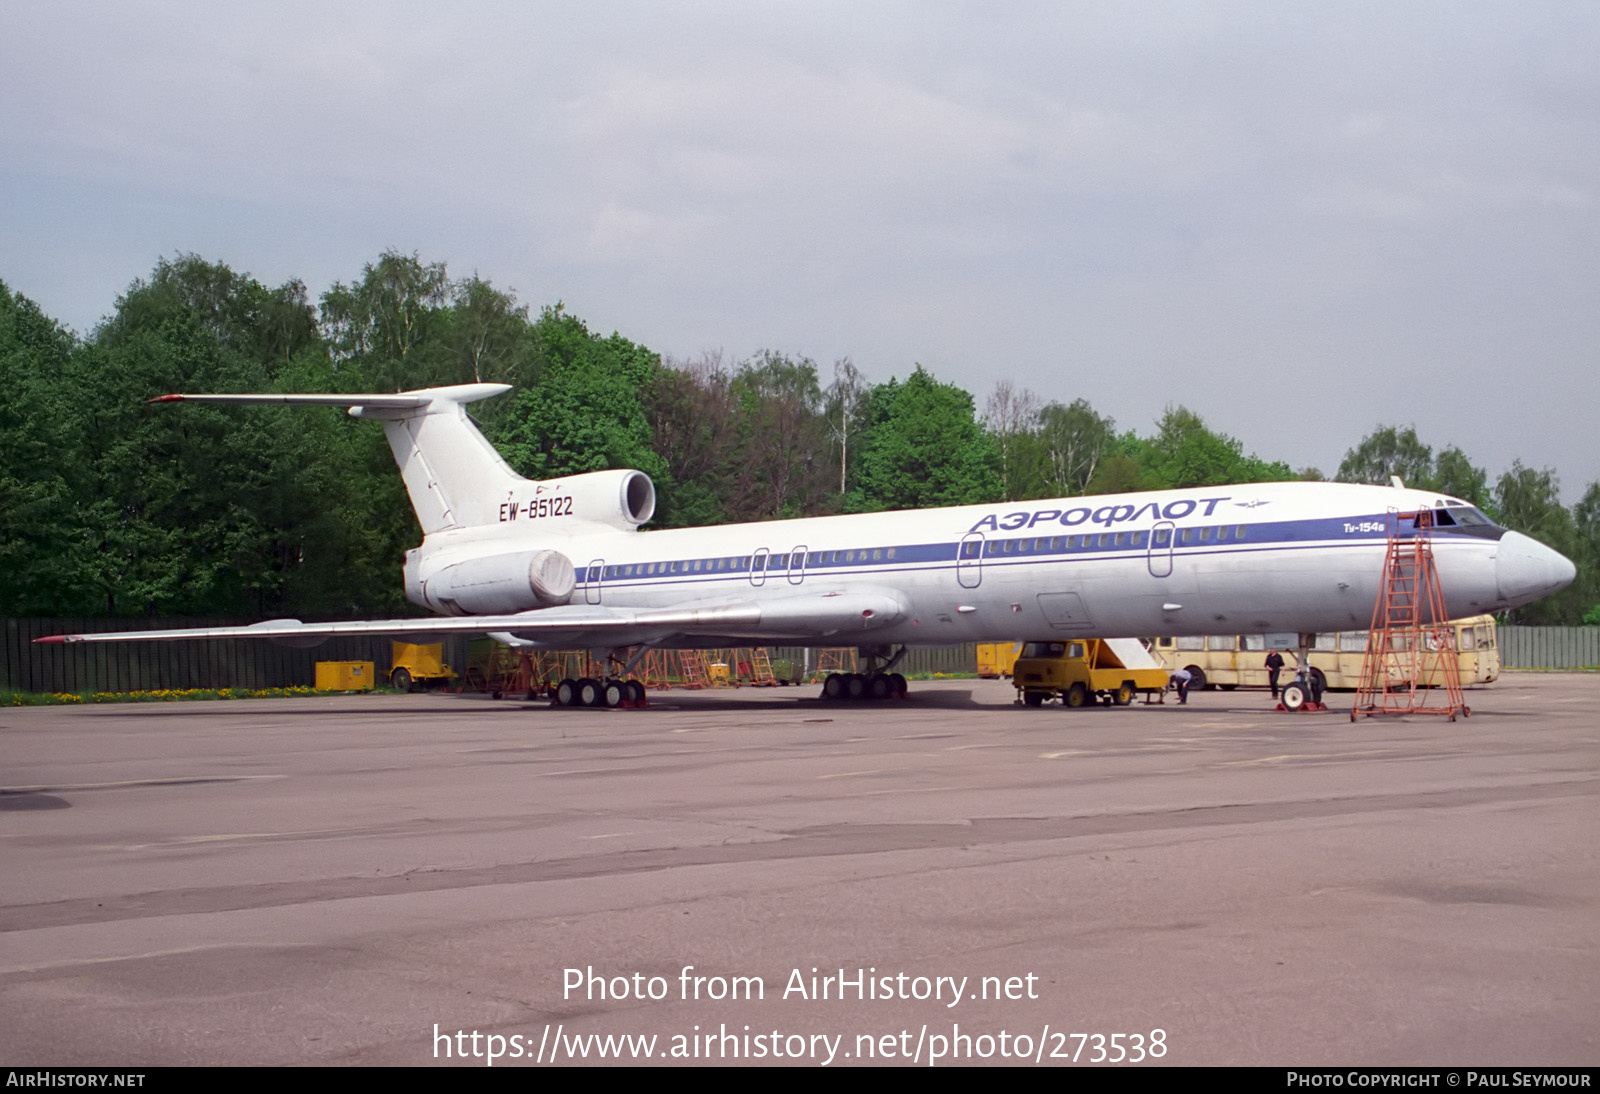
x: 52, y: 638
x: 166, y: 399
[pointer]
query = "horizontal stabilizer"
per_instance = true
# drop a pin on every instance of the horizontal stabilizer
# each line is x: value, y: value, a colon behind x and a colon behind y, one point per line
x: 404, y: 400
x: 453, y: 476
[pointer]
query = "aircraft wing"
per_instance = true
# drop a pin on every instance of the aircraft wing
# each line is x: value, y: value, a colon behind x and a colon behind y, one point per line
x: 809, y: 615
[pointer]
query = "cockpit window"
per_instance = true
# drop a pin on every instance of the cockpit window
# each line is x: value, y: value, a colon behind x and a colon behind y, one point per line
x: 1455, y: 514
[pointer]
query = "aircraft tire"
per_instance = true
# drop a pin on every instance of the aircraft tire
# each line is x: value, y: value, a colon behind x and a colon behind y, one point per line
x: 566, y: 693
x: 612, y: 692
x: 878, y: 686
x: 400, y: 680
x: 900, y: 685
x: 1077, y: 696
x: 635, y: 691
x: 855, y: 686
x: 1294, y: 697
x: 833, y: 687
x: 589, y: 693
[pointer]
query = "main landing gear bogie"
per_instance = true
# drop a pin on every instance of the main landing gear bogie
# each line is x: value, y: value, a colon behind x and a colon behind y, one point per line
x: 604, y: 694
x: 860, y: 687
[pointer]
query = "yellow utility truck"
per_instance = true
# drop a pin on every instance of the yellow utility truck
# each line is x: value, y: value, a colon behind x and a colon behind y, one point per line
x: 1079, y: 671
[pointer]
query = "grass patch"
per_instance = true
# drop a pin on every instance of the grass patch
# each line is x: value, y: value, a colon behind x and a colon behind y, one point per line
x: 165, y: 695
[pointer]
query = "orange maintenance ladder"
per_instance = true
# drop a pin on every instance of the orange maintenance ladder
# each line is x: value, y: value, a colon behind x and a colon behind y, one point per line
x: 1409, y: 628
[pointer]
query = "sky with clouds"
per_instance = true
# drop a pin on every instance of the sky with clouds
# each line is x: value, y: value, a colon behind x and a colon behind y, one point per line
x: 1297, y: 220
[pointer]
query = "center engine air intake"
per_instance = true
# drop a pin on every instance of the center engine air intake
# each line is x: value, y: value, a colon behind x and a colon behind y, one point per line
x: 622, y: 499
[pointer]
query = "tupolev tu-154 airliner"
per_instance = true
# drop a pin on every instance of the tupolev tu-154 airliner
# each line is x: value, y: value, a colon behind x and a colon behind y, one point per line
x: 562, y: 563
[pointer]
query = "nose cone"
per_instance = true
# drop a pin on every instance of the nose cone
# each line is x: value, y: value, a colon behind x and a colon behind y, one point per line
x: 1525, y: 570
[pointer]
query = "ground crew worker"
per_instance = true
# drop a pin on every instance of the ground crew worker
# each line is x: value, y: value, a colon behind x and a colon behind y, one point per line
x: 1180, y: 680
x: 1274, y: 666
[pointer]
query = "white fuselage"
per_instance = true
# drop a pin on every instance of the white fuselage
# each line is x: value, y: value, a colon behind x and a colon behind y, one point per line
x: 1236, y: 559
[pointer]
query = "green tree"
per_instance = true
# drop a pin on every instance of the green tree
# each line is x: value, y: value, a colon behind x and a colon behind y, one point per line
x: 1586, y: 552
x: 784, y: 438
x: 1122, y: 471
x: 586, y: 413
x: 1067, y: 449
x: 1011, y: 415
x: 382, y: 323
x: 211, y: 510
x: 690, y: 407
x: 243, y: 316
x: 924, y: 448
x: 488, y: 333
x: 38, y: 465
x: 846, y: 411
x: 1454, y: 474
x: 1184, y: 452
x: 1529, y: 501
x: 1385, y: 452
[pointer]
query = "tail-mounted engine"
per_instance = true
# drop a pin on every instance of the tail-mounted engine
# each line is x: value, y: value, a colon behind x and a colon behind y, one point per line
x: 617, y: 499
x: 623, y: 499
x: 516, y: 582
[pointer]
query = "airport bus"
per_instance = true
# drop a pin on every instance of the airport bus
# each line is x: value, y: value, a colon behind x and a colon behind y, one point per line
x: 1237, y: 660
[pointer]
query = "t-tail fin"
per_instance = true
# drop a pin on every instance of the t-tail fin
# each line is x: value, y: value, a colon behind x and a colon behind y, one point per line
x: 454, y: 475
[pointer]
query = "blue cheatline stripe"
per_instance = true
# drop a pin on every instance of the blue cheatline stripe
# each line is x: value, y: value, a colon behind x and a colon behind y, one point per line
x: 1318, y: 533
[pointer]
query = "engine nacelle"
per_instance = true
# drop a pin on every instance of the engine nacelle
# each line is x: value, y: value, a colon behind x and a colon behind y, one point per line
x: 516, y: 582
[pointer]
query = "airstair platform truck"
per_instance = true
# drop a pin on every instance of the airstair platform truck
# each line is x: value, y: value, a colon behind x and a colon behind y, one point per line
x: 1080, y: 671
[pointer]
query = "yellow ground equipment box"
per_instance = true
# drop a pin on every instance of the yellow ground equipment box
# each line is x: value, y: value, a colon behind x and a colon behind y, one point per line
x: 344, y: 676
x: 1080, y: 671
x: 418, y: 666
x: 996, y: 658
